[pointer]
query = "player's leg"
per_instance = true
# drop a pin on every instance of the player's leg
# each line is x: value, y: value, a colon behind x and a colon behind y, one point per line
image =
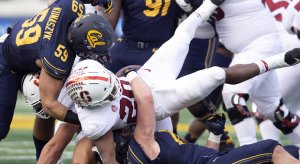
x: 222, y: 57
x: 267, y: 98
x: 261, y: 152
x: 9, y: 85
x: 83, y: 152
x: 287, y: 87
x: 199, y: 51
x: 265, y: 126
x: 55, y: 147
x: 43, y: 130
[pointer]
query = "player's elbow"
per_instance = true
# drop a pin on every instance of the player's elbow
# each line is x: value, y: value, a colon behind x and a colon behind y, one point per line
x: 48, y: 106
x: 145, y: 97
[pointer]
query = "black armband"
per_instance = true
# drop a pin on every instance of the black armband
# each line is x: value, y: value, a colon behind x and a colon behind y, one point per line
x: 72, y: 118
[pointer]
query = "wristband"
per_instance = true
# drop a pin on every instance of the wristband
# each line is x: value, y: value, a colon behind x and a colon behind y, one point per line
x: 72, y: 118
x: 131, y: 75
x: 214, y: 138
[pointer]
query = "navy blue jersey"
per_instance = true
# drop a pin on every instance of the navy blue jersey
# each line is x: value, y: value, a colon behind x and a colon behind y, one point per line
x: 44, y: 36
x: 147, y: 19
x: 172, y: 150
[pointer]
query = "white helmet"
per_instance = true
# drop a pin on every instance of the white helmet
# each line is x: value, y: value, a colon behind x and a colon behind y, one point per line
x: 30, y: 89
x: 90, y: 84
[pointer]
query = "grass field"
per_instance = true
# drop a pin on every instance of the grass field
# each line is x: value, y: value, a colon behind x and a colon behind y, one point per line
x: 18, y: 147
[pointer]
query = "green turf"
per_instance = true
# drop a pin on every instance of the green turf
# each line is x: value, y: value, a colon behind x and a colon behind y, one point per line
x: 18, y: 147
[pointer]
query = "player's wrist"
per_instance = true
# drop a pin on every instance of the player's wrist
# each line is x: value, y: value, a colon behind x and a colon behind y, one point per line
x: 131, y: 75
x: 214, y: 138
x: 71, y: 117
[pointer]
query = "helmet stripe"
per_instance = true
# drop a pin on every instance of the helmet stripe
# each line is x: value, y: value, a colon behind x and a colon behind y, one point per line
x: 86, y: 78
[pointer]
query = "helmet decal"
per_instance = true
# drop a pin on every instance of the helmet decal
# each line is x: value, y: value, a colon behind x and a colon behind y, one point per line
x: 90, y: 84
x: 93, y: 36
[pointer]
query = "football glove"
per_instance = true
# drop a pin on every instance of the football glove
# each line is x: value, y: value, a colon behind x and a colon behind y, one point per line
x: 106, y: 4
x: 217, y: 2
x: 216, y: 123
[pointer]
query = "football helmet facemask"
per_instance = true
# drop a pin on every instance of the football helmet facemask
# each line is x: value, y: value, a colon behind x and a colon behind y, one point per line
x: 91, y: 84
x: 90, y: 34
x: 30, y: 89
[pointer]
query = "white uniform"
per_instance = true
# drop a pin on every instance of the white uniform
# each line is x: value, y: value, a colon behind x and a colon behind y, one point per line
x: 160, y: 72
x: 284, y: 12
x: 248, y: 30
x: 289, y: 78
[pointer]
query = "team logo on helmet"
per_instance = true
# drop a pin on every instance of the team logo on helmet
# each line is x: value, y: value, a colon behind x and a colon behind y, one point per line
x: 93, y: 37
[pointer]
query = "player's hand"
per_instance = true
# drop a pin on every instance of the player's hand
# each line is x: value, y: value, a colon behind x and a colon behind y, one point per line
x: 216, y: 123
x: 106, y: 4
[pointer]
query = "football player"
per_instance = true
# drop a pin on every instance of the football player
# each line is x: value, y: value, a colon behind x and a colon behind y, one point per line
x: 46, y: 43
x: 145, y: 26
x: 250, y: 33
x: 147, y: 146
x: 286, y: 15
x: 43, y: 123
x: 107, y: 103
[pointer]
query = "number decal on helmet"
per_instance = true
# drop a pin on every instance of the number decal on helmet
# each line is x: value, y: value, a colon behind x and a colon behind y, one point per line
x: 85, y: 95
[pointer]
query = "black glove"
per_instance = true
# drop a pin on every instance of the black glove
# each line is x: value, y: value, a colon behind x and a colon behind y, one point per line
x: 216, y: 123
x: 217, y: 2
x: 106, y: 4
x: 196, y: 3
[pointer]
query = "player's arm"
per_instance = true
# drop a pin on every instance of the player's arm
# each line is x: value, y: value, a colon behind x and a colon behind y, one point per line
x: 113, y: 17
x: 106, y: 148
x: 49, y: 91
x: 145, y: 126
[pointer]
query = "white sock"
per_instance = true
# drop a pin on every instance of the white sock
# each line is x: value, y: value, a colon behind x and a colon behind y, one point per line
x: 270, y: 63
x: 269, y: 131
x: 246, y: 131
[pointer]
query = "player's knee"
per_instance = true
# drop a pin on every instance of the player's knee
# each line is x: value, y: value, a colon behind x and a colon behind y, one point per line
x: 268, y: 145
x: 285, y: 121
x: 236, y: 108
x: 4, y: 129
x: 218, y: 73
